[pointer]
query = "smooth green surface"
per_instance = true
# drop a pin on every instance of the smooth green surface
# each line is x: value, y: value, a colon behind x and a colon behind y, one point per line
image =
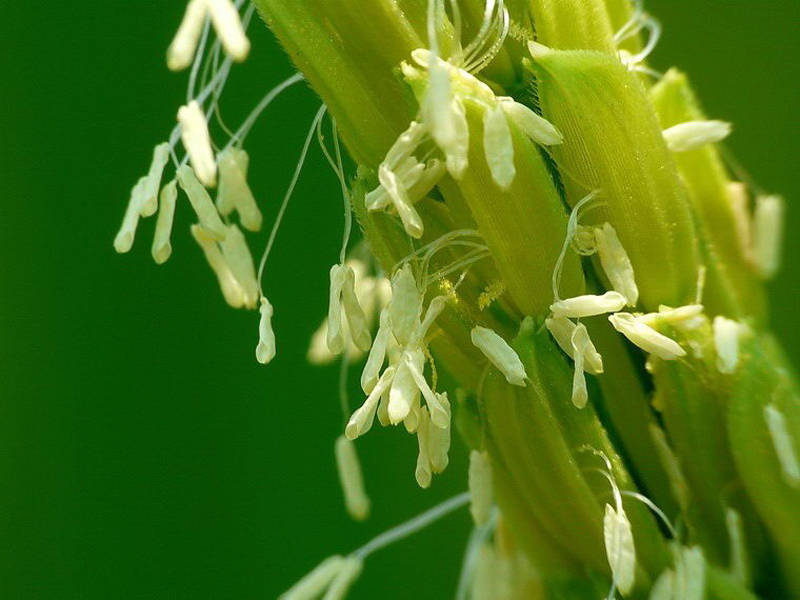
x: 143, y: 452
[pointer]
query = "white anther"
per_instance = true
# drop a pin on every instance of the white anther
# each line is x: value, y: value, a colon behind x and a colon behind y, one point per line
x: 197, y: 141
x: 234, y: 193
x: 739, y: 202
x: 616, y: 263
x: 406, y: 174
x: 435, y: 308
x: 580, y: 344
x: 335, y: 337
x: 440, y: 417
x: 153, y: 180
x: 647, y: 338
x: 588, y: 305
x: 412, y: 222
x: 726, y: 343
x: 201, y: 203
x: 537, y: 128
x: 500, y: 354
x: 695, y: 134
x: 498, y: 147
x: 351, y: 479
x: 184, y: 44
x: 237, y: 255
x: 162, y: 247
x: 231, y: 289
x: 316, y: 582
x: 123, y: 241
x: 562, y: 329
x: 480, y: 487
x: 356, y: 319
x: 666, y: 315
x: 439, y: 439
x: 784, y: 444
x: 265, y: 350
x: 405, y: 306
x: 423, y: 471
x: 620, y: 550
x: 404, y: 393
x: 229, y: 28
x: 361, y: 420
x: 768, y: 234
x: 377, y: 354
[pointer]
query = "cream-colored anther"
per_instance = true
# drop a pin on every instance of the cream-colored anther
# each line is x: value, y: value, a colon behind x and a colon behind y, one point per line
x: 265, y: 350
x: 726, y: 343
x: 231, y: 289
x: 740, y: 208
x: 153, y: 180
x: 537, y: 128
x: 616, y: 263
x: 588, y: 305
x: 500, y: 354
x: 423, y: 471
x: 412, y: 223
x: 162, y: 247
x: 377, y: 354
x: 356, y: 319
x: 440, y: 417
x: 123, y: 242
x: 404, y: 393
x: 317, y: 581
x: 405, y: 306
x: 335, y: 337
x: 234, y: 193
x: 498, y: 147
x: 480, y: 487
x: 768, y: 234
x: 580, y: 343
x: 407, y: 174
x: 561, y: 329
x: 645, y: 337
x: 783, y: 444
x: 620, y: 550
x: 229, y: 28
x: 439, y: 439
x: 695, y: 134
x: 184, y: 45
x: 197, y: 141
x: 351, y: 479
x: 237, y: 255
x: 201, y: 203
x: 361, y: 420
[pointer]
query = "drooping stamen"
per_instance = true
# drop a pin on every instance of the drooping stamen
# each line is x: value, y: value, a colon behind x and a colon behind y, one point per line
x: 616, y: 263
x: 162, y: 248
x: 197, y: 141
x: 234, y: 193
x: 153, y: 180
x: 201, y: 203
x: 562, y: 330
x: 265, y: 350
x: 691, y: 135
x: 500, y: 354
x: 647, y: 338
x: 315, y: 582
x: 588, y: 305
x: 182, y: 49
x: 423, y: 471
x: 123, y: 241
x: 480, y: 487
x: 361, y: 420
x: 768, y: 234
x: 498, y: 147
x: 352, y: 481
x: 538, y: 129
x: 228, y: 26
x: 231, y: 289
x: 237, y: 255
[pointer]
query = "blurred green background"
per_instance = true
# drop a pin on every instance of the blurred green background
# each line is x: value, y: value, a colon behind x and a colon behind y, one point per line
x: 143, y: 452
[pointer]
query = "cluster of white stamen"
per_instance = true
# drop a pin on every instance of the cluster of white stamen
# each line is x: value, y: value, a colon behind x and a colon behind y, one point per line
x: 395, y: 394
x: 227, y: 23
x: 372, y: 294
x: 691, y: 135
x: 404, y: 179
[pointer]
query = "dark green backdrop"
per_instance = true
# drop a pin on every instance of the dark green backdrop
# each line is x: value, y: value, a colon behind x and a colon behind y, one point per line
x: 143, y: 452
